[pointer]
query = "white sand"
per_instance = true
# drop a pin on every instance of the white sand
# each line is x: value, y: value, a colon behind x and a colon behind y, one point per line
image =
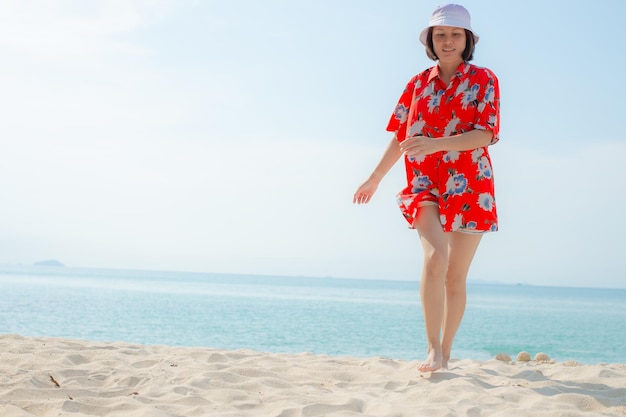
x: 120, y: 379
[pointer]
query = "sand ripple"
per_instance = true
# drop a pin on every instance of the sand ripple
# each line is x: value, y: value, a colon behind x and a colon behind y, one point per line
x: 47, y: 377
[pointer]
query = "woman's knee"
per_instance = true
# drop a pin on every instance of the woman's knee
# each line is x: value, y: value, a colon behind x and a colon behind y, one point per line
x: 435, y: 263
x: 456, y: 278
x: 455, y: 284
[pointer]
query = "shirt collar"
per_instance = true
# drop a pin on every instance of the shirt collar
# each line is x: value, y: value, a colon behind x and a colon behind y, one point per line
x: 462, y: 69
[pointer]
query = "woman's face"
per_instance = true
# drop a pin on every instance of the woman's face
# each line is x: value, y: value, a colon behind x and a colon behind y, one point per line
x: 448, y: 43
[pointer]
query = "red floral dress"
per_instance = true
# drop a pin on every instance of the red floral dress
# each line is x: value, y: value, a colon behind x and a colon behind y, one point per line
x: 459, y: 182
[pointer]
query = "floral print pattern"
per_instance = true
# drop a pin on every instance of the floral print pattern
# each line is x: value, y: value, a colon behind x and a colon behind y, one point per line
x: 459, y: 182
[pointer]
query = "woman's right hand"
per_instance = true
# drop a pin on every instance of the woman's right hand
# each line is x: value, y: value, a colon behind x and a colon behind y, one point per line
x: 365, y: 192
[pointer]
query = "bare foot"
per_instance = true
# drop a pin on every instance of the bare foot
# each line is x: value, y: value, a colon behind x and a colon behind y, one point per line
x: 446, y: 358
x: 433, y: 362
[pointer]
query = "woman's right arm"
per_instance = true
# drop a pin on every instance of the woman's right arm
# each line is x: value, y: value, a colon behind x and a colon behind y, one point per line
x: 365, y: 192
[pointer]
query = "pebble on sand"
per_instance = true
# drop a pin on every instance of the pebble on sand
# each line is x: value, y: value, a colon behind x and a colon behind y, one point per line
x: 542, y: 357
x: 523, y: 357
x: 503, y: 357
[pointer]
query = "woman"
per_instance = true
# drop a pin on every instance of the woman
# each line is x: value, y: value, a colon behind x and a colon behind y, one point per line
x: 443, y: 123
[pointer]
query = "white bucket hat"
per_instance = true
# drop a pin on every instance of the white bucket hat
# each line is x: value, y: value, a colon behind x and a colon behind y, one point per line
x: 453, y: 15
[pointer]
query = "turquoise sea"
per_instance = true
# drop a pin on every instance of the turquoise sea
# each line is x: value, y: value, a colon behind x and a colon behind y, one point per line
x: 359, y: 318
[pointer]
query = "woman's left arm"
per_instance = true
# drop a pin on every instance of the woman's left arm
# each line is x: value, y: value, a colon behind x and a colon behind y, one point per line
x: 421, y: 145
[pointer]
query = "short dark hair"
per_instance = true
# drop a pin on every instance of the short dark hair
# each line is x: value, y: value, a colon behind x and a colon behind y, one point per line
x: 468, y: 52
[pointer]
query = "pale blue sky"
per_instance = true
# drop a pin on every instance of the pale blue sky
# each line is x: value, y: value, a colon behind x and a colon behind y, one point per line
x: 230, y: 136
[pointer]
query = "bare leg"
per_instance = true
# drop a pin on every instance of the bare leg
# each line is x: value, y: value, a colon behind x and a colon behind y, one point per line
x: 432, y: 285
x: 461, y: 250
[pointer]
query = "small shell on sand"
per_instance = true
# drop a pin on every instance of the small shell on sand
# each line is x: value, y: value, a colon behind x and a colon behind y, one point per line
x: 523, y: 357
x: 503, y: 357
x: 542, y: 357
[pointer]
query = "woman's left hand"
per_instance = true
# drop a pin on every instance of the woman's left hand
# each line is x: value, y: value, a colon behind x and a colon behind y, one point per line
x: 419, y: 146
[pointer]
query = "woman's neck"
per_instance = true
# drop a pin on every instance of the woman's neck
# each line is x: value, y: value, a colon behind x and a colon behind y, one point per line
x: 447, y: 70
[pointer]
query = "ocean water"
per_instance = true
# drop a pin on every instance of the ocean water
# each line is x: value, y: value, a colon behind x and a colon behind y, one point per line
x: 337, y: 317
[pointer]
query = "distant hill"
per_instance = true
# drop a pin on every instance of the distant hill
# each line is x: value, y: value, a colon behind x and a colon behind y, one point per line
x: 49, y: 262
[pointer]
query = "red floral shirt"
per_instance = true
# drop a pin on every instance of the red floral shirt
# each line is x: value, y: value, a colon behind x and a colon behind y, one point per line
x: 459, y: 182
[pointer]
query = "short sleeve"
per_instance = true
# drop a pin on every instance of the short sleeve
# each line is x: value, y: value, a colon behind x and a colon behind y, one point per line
x: 488, y: 114
x: 398, y: 121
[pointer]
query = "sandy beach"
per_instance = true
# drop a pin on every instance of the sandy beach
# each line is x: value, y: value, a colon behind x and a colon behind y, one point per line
x: 63, y: 377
